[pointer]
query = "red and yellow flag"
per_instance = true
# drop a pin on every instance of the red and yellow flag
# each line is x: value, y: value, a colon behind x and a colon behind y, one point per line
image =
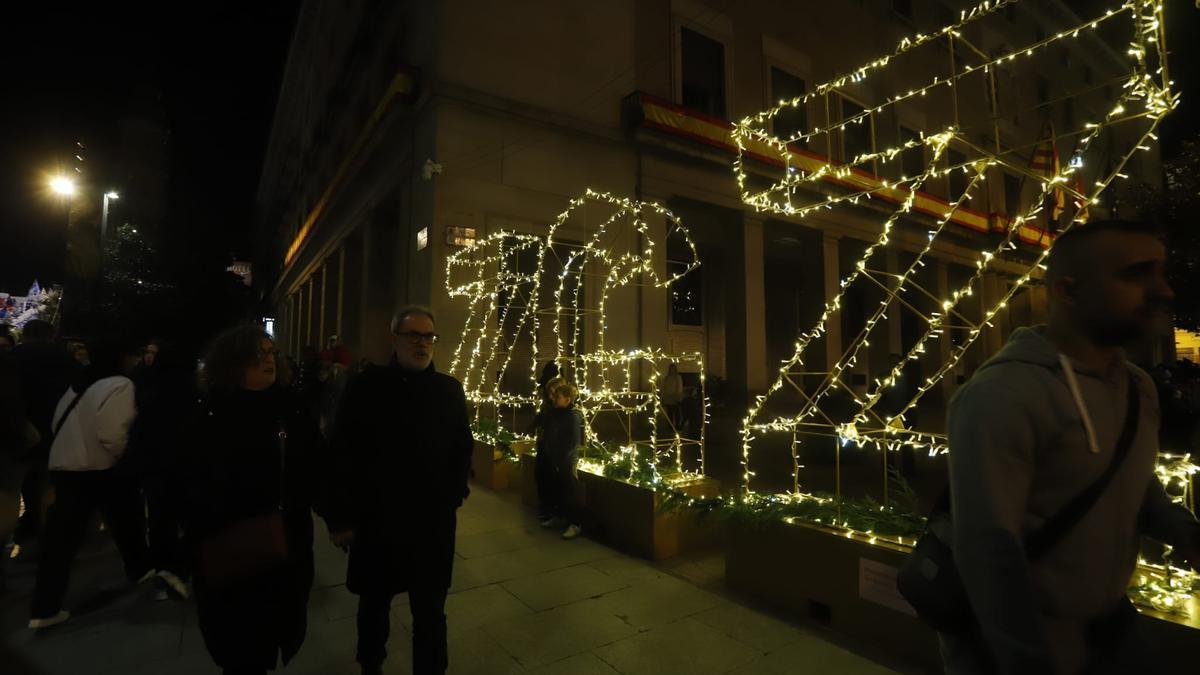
x: 1045, y: 164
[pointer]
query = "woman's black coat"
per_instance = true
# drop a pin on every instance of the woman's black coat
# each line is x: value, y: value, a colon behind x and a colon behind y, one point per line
x: 402, y: 444
x: 231, y: 471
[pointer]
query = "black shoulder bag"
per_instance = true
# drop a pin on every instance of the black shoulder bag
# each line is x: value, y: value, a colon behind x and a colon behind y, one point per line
x: 930, y: 580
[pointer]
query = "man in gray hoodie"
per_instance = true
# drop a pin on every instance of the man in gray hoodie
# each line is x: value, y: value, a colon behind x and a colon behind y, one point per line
x: 1033, y: 428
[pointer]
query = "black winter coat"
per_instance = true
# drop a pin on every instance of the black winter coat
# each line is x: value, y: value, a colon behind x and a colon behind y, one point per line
x: 230, y: 470
x: 402, y: 445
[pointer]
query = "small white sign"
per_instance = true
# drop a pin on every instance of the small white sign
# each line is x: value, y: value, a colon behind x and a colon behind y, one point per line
x: 422, y: 238
x: 877, y: 583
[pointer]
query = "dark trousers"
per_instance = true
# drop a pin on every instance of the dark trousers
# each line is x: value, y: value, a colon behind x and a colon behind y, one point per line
x: 428, y: 607
x: 562, y: 498
x: 79, y: 495
x: 163, y: 522
x: 33, y: 492
x: 543, y: 476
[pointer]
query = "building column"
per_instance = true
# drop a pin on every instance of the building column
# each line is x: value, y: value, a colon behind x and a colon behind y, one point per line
x: 308, y: 313
x: 991, y: 289
x: 945, y: 343
x: 895, y: 341
x: 653, y: 302
x: 755, y: 306
x: 323, y: 332
x: 832, y: 285
x: 378, y: 290
x: 341, y: 290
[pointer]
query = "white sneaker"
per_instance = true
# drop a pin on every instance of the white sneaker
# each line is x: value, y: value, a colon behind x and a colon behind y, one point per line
x: 174, y: 583
x: 150, y: 574
x: 548, y: 522
x: 61, y: 617
x: 572, y: 532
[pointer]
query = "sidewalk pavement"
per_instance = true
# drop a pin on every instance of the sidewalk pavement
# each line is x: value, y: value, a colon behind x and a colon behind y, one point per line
x: 523, y: 601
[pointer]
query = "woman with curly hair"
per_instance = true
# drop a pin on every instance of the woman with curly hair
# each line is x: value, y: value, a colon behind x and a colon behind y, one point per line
x: 248, y: 482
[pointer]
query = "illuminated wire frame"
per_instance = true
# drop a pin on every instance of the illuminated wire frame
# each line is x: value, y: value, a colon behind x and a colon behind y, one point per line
x: 798, y: 402
x: 600, y: 247
x: 501, y: 319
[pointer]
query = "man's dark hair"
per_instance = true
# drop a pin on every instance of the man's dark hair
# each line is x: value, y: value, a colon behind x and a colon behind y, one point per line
x: 229, y: 355
x: 38, y: 331
x: 407, y: 311
x: 1070, y: 252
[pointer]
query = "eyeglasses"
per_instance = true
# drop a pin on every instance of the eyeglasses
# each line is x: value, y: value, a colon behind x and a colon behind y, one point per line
x: 415, y: 338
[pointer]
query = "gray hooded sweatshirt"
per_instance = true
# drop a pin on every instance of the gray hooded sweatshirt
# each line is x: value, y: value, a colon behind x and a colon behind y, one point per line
x: 1028, y: 433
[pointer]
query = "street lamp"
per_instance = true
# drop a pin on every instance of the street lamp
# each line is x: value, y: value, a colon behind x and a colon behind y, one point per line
x: 104, y: 215
x: 62, y: 186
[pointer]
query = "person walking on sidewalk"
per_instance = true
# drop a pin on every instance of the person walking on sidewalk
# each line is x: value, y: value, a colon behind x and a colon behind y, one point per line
x: 166, y: 397
x: 562, y: 434
x: 91, y: 431
x: 248, y: 480
x: 1058, y: 411
x: 402, y: 442
x: 46, y: 371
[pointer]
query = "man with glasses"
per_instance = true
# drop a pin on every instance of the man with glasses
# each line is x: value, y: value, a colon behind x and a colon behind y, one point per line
x: 402, y: 443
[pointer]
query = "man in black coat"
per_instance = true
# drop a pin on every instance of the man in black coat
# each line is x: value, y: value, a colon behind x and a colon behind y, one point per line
x: 402, y: 443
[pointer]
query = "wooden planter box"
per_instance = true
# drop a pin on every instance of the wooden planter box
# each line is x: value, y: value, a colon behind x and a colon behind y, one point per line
x: 628, y: 518
x: 495, y: 471
x: 849, y: 585
x: 845, y: 584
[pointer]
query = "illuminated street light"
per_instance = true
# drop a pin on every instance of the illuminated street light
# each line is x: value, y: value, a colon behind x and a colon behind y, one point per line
x: 62, y: 186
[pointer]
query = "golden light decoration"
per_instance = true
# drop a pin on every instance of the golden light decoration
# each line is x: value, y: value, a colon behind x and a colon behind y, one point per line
x: 1145, y: 96
x: 510, y: 307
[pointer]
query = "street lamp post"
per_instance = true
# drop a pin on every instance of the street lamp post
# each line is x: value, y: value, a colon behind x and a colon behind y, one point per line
x: 104, y: 215
x: 65, y: 188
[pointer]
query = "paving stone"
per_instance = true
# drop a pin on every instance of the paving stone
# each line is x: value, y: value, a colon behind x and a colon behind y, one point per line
x: 553, y: 635
x: 686, y: 646
x: 562, y: 587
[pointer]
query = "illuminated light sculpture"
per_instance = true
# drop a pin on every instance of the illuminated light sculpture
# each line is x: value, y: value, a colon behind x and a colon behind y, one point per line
x: 565, y: 300
x: 775, y: 175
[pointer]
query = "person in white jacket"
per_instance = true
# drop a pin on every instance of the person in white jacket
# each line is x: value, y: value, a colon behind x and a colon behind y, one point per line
x: 91, y: 426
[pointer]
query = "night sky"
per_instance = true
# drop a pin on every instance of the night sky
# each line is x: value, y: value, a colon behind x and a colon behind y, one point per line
x: 211, y: 70
x: 71, y: 74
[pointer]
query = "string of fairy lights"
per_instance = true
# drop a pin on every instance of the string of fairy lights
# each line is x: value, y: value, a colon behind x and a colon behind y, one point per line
x: 505, y: 305
x: 1140, y: 87
x: 609, y: 378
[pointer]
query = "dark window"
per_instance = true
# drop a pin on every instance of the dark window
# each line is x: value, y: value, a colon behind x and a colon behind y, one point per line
x: 518, y: 260
x: 903, y: 8
x: 1043, y: 90
x: 703, y: 66
x: 856, y: 137
x: 1069, y: 112
x: 913, y: 160
x: 687, y: 298
x: 1012, y: 195
x: 1087, y: 74
x: 1010, y: 12
x: 958, y: 177
x: 1064, y: 58
x: 790, y: 121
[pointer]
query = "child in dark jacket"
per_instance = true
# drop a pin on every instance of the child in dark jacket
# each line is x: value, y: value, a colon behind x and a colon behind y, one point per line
x: 562, y: 434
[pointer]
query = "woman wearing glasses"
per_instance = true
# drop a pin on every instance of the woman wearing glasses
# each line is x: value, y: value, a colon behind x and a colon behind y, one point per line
x: 249, y: 486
